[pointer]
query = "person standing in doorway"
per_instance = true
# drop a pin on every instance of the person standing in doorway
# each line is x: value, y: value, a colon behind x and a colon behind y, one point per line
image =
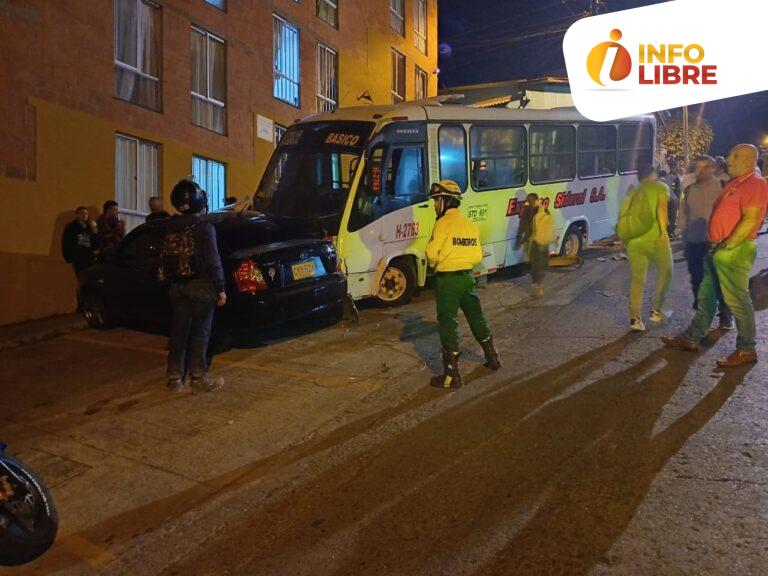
x: 652, y: 247
x: 695, y: 211
x: 191, y: 265
x: 736, y: 219
x: 453, y: 251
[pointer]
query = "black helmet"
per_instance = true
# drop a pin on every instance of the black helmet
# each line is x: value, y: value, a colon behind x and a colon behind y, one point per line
x: 187, y: 196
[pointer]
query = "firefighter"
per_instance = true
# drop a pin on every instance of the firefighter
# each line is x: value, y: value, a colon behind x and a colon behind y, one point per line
x: 453, y: 251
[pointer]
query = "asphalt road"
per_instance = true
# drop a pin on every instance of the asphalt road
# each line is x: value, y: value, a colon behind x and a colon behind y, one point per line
x: 592, y: 451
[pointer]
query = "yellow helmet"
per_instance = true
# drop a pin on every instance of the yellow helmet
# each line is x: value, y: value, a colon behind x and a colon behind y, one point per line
x: 445, y: 188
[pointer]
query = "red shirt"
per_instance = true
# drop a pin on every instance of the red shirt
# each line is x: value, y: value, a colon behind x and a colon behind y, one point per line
x: 747, y: 191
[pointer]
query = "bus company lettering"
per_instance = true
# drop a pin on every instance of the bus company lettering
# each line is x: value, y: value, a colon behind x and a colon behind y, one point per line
x: 562, y: 200
x: 407, y: 230
x: 566, y: 199
x: 464, y: 241
x: 342, y: 139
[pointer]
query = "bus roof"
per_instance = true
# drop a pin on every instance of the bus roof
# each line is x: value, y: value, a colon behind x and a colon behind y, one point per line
x: 427, y: 110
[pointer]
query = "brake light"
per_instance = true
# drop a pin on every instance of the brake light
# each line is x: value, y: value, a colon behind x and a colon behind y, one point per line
x: 248, y: 278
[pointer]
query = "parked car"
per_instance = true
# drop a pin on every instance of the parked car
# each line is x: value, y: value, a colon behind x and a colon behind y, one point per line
x: 272, y: 274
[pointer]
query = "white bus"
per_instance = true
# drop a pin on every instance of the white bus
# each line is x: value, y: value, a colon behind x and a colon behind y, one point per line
x: 361, y: 175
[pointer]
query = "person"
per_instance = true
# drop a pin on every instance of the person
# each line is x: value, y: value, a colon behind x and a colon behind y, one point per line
x: 110, y: 229
x: 191, y: 265
x: 688, y: 178
x: 673, y: 181
x: 538, y: 232
x: 156, y: 209
x: 695, y: 210
x: 721, y: 173
x: 453, y: 250
x: 78, y: 241
x: 652, y: 247
x: 737, y: 216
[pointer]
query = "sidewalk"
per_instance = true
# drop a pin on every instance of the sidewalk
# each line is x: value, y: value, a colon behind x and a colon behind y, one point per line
x: 15, y: 335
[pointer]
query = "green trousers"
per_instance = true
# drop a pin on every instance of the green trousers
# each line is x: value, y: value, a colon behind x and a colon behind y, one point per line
x: 731, y: 268
x: 454, y: 291
x: 641, y: 253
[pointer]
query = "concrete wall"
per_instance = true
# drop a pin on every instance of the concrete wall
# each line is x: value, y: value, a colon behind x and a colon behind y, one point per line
x: 59, y: 116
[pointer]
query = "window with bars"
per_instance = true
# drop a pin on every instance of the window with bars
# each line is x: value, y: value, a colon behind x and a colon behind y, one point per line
x: 422, y: 84
x: 398, y: 77
x: 286, y: 63
x: 211, y: 176
x: 209, y: 81
x: 397, y: 16
x: 138, y: 52
x: 327, y: 79
x: 137, y: 177
x: 420, y: 24
x: 328, y: 12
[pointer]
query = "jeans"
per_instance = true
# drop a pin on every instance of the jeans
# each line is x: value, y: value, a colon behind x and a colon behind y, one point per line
x: 641, y: 253
x: 454, y: 291
x: 539, y: 258
x: 695, y: 253
x: 192, y: 304
x: 731, y: 268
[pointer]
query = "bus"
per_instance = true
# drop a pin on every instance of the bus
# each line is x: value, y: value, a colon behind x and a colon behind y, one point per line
x: 361, y: 176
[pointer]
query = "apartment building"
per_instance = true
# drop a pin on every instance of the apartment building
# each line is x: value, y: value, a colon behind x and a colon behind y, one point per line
x: 119, y: 99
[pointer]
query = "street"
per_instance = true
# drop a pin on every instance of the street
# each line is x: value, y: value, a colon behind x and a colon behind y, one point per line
x: 592, y: 451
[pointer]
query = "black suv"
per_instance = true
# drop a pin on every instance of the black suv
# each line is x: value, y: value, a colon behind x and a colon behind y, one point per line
x: 272, y: 275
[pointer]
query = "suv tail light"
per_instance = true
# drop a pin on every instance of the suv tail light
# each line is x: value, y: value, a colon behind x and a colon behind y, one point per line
x: 248, y: 278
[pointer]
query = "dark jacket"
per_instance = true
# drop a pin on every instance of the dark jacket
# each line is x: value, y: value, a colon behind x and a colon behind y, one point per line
x: 208, y: 259
x: 78, y: 245
x: 110, y: 232
x: 155, y: 215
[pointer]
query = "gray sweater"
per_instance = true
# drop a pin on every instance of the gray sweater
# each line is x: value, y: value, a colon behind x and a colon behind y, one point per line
x: 696, y: 208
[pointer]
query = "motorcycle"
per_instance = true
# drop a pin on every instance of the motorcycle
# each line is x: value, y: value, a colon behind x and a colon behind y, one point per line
x: 28, y: 518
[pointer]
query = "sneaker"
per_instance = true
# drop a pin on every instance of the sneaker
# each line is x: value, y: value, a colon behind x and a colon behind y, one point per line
x: 206, y: 383
x: 657, y: 317
x: 636, y: 325
x: 175, y: 385
x: 727, y: 325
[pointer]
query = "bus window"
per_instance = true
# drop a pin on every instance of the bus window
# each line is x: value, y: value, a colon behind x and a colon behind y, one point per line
x: 635, y: 147
x: 597, y: 150
x: 553, y: 153
x: 497, y: 156
x: 453, y: 154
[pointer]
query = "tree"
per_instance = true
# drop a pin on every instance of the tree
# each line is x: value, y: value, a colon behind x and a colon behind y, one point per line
x: 700, y: 138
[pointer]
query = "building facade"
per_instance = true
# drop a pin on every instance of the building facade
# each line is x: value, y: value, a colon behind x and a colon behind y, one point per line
x: 119, y: 99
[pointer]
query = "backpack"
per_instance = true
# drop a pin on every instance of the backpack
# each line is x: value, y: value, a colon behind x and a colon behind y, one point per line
x: 543, y: 228
x: 178, y: 256
x: 636, y: 217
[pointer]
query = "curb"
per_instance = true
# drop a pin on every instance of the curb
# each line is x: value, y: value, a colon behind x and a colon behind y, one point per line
x: 35, y: 331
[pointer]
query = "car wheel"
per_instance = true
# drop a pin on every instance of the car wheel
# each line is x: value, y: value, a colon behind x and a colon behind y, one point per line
x: 573, y: 242
x: 95, y: 311
x: 398, y: 284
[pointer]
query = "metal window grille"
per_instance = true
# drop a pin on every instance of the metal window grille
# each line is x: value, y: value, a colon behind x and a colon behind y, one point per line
x: 422, y: 84
x: 420, y: 24
x: 397, y: 16
x: 211, y: 176
x: 138, y: 52
x: 327, y: 79
x: 137, y: 177
x: 398, y: 77
x: 328, y: 11
x: 209, y: 80
x: 286, y: 60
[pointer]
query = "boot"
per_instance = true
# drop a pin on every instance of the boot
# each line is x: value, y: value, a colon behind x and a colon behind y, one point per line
x: 451, y: 377
x: 492, y: 359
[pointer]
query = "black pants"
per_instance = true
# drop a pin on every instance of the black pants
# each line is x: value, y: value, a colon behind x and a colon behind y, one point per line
x: 672, y: 206
x: 192, y: 304
x: 695, y: 252
x: 539, y: 259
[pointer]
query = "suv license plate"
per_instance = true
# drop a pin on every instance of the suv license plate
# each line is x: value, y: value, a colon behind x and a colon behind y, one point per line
x: 302, y: 270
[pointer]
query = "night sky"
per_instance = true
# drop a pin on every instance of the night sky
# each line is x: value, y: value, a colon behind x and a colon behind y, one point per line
x: 495, y: 40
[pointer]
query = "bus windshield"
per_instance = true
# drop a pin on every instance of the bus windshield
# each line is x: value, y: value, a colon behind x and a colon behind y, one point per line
x: 311, y: 172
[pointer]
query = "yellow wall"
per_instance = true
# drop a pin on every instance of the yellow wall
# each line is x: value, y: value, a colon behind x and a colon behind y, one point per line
x: 75, y: 166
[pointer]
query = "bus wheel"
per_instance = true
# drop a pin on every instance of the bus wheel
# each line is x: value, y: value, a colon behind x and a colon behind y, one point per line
x: 398, y: 284
x: 573, y: 242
